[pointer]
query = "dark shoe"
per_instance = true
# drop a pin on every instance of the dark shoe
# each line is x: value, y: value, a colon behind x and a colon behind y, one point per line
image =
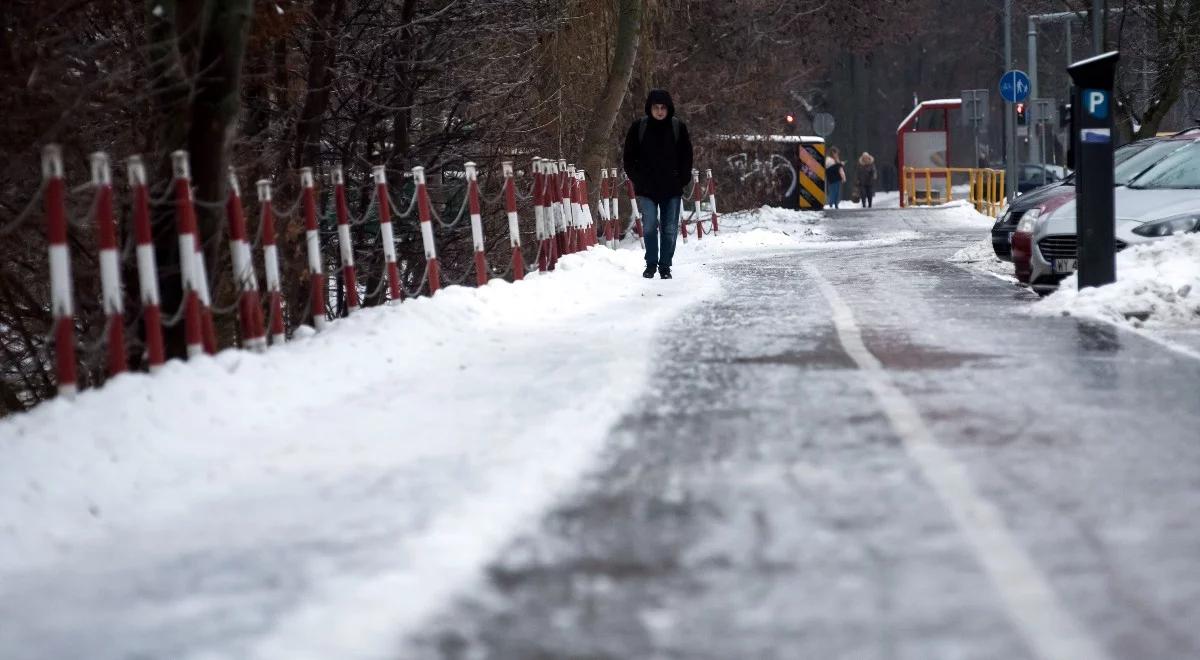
x: 664, y: 273
x: 648, y: 273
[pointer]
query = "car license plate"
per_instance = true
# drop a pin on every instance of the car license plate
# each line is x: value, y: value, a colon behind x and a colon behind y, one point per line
x: 1064, y: 265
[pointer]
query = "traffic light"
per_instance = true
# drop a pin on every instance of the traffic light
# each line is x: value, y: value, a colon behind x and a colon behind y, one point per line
x: 1020, y: 114
x: 790, y: 118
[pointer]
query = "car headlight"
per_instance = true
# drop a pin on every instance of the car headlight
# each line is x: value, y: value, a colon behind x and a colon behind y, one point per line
x: 1179, y: 225
x: 1028, y: 220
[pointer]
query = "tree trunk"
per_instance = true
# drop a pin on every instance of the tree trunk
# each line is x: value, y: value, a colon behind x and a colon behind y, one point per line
x: 597, y: 138
x: 169, y: 89
x: 322, y: 54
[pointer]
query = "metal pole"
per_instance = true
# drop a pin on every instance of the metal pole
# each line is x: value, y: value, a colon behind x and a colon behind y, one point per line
x: 1070, y: 59
x: 1034, y: 145
x: 1097, y: 27
x: 1009, y: 108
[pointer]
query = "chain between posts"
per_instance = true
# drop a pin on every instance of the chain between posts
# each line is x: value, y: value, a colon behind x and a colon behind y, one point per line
x: 412, y: 205
x: 413, y: 293
x: 461, y: 214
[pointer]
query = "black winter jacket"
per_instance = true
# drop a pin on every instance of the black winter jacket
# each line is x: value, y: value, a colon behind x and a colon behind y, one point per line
x: 659, y: 165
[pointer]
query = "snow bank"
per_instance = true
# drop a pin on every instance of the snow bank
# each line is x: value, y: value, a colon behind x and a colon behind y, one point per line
x: 787, y: 225
x: 982, y: 257
x: 322, y: 499
x: 1157, y: 284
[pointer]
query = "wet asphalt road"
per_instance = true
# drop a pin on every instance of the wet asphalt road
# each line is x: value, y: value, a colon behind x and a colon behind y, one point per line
x: 762, y: 502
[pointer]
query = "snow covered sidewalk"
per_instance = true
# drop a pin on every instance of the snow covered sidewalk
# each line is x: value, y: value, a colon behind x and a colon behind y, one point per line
x: 320, y: 500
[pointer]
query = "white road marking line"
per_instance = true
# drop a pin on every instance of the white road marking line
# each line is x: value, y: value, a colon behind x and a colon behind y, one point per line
x: 1051, y: 632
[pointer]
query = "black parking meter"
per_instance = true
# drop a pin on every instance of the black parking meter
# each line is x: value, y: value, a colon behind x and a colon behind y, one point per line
x: 1092, y: 141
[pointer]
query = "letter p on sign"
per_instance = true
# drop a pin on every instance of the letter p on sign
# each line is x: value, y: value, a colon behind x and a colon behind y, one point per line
x: 1096, y: 102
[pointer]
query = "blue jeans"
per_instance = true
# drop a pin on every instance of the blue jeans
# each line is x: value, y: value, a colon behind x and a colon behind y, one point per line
x: 656, y: 217
x: 835, y: 193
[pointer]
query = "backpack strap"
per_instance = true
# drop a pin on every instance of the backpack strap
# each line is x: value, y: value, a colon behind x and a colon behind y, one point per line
x: 642, y: 123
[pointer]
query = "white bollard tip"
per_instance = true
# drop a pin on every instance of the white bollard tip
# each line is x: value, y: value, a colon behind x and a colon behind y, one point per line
x: 137, y: 171
x: 52, y: 165
x: 179, y: 165
x: 101, y: 173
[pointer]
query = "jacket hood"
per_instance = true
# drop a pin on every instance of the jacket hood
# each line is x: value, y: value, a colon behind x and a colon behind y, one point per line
x: 660, y: 96
x: 866, y: 159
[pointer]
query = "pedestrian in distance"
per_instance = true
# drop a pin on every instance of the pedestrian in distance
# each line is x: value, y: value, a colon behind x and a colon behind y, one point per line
x: 866, y: 179
x: 658, y: 159
x: 835, y: 174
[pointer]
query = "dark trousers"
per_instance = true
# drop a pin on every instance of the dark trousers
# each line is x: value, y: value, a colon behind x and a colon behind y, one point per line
x: 660, y: 221
x: 868, y: 195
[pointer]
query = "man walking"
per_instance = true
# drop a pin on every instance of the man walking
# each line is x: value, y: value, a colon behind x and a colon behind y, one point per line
x: 658, y: 159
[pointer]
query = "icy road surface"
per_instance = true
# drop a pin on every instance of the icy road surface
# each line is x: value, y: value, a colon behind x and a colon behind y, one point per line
x: 867, y: 454
x: 824, y: 443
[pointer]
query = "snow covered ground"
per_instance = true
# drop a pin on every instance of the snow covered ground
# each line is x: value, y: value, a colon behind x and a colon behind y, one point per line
x: 1157, y: 288
x: 322, y: 499
x: 981, y: 256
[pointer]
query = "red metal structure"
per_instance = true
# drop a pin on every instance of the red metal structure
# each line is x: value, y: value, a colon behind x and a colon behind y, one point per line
x: 908, y: 132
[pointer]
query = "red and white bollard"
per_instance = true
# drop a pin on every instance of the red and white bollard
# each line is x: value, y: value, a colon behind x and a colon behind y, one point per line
x: 682, y: 223
x: 249, y: 305
x: 146, y: 265
x: 345, y: 244
x: 386, y: 235
x: 514, y: 225
x: 185, y: 220
x: 558, y: 217
x: 571, y: 198
x: 634, y: 211
x: 614, y: 209
x: 697, y: 199
x: 312, y: 239
x: 431, y: 261
x: 602, y: 208
x: 712, y: 200
x: 539, y: 217
x: 110, y: 264
x: 271, y: 265
x: 587, y: 224
x: 563, y: 181
x: 481, y: 273
x: 62, y: 304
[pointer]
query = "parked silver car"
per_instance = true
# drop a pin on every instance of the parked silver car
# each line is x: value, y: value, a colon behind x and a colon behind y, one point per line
x: 1161, y: 201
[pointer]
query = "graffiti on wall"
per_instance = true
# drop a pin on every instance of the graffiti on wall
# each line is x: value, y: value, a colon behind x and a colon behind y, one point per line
x: 767, y: 179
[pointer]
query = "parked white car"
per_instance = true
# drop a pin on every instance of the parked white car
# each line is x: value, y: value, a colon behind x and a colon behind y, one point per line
x: 1163, y: 201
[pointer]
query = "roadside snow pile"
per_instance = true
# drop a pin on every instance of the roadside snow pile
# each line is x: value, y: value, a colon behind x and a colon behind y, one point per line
x: 1157, y: 283
x: 321, y: 499
x: 797, y: 224
x: 981, y: 256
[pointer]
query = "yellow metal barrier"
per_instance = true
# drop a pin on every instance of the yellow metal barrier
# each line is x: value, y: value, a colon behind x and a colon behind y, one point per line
x: 985, y: 187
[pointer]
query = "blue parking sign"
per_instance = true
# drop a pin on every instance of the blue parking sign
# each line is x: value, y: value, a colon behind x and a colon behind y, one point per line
x: 1095, y: 103
x: 1014, y: 86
